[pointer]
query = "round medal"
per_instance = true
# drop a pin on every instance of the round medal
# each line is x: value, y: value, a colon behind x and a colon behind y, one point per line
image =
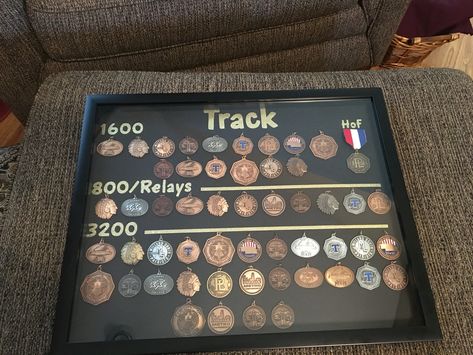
x: 279, y: 278
x: 296, y: 166
x: 362, y: 247
x: 164, y: 147
x: 189, y: 205
x: 354, y: 203
x: 276, y: 248
x: 323, y: 146
x: 134, y: 207
x: 188, y: 283
x: 188, y: 168
x: 305, y: 247
x: 339, y: 276
x: 138, y: 148
x: 163, y: 169
x: 282, y: 316
x: 217, y: 205
x: 249, y: 250
x: 159, y: 252
x: 188, y: 251
x: 132, y: 252
x: 163, y: 206
x: 358, y: 163
x: 158, y: 284
x: 245, y: 205
x: 300, y: 202
x: 335, y: 248
x: 244, y: 172
x: 100, y: 253
x: 327, y: 203
x: 379, y: 202
x: 109, y: 148
x: 388, y: 247
x: 188, y: 320
x: 242, y: 145
x: 368, y: 277
x: 219, y: 284
x: 220, y: 319
x: 105, y: 208
x: 254, y: 317
x: 308, y: 277
x: 216, y: 168
x: 97, y: 287
x: 219, y: 250
x: 294, y: 144
x: 273, y: 204
x: 270, y: 168
x: 251, y: 281
x: 188, y: 146
x: 129, y: 285
x: 214, y: 144
x: 395, y: 277
x: 268, y: 145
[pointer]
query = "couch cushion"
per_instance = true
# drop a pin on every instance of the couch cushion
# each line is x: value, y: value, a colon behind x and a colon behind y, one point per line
x: 72, y: 30
x: 430, y: 112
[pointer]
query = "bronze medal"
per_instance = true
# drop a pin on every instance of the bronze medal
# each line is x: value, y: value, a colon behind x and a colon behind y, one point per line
x: 296, y: 166
x: 254, y: 317
x: 388, y: 247
x: 109, y: 148
x: 100, y: 253
x: 97, y: 287
x: 163, y: 169
x: 395, y: 277
x: 251, y: 281
x: 164, y: 147
x: 245, y: 205
x: 220, y: 319
x: 268, y: 145
x: 249, y: 250
x: 244, y: 172
x: 162, y: 206
x: 279, y: 278
x: 242, y: 145
x: 138, y: 148
x: 188, y: 146
x: 294, y: 144
x: 189, y: 205
x: 282, y: 316
x: 217, y: 205
x: 188, y: 283
x: 132, y: 252
x: 188, y: 251
x: 219, y: 284
x: 276, y: 248
x: 308, y: 277
x: 188, y: 320
x: 273, y: 204
x: 270, y: 168
x: 219, y: 250
x: 379, y: 202
x: 105, y: 208
x: 339, y: 276
x: 188, y: 168
x: 323, y: 146
x: 216, y: 168
x: 300, y: 202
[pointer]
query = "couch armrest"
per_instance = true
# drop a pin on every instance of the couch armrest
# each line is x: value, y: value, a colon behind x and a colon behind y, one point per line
x: 21, y: 58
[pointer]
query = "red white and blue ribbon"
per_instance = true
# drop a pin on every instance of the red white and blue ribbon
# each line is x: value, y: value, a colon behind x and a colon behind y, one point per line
x: 355, y: 137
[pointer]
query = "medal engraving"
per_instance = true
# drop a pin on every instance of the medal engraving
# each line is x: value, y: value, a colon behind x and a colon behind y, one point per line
x: 188, y: 251
x: 354, y: 203
x: 163, y: 206
x: 134, y: 207
x: 214, y: 144
x: 305, y: 247
x: 327, y: 203
x: 395, y: 277
x: 282, y: 316
x: 358, y: 163
x: 296, y: 166
x: 271, y: 168
x: 244, y: 172
x: 273, y: 204
x: 276, y: 248
x: 158, y: 284
x: 388, y: 247
x: 163, y: 169
x: 268, y: 145
x: 109, y: 148
x: 188, y: 168
x: 308, y: 277
x: 188, y: 146
x: 216, y: 168
x: 219, y: 284
x: 159, y: 252
x: 217, y: 205
x: 323, y: 146
x: 188, y: 283
x: 132, y: 252
x: 379, y: 202
x: 138, y: 148
x: 245, y: 205
x: 188, y: 320
x: 339, y: 276
x: 219, y: 250
x: 100, y: 253
x: 362, y: 247
x: 97, y: 287
x: 368, y: 277
x: 105, y: 208
x: 249, y: 250
x: 254, y: 317
x: 300, y: 202
x: 220, y: 319
x: 279, y: 278
x: 335, y: 248
x: 251, y: 281
x: 294, y: 144
x: 164, y: 147
x: 129, y: 285
x: 189, y: 205
x: 242, y: 145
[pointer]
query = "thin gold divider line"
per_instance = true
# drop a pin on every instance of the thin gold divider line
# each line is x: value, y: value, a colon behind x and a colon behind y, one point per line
x: 262, y: 229
x: 286, y: 187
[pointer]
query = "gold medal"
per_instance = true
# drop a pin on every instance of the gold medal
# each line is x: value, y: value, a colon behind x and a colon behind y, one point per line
x: 268, y: 145
x: 282, y: 316
x: 254, y: 317
x: 300, y: 202
x: 249, y: 250
x: 244, y: 171
x: 273, y: 204
x: 100, y: 253
x: 138, y: 148
x: 308, y: 277
x: 220, y: 319
x: 323, y: 146
x: 188, y: 146
x: 270, y: 168
x: 189, y: 205
x: 279, y: 278
x: 217, y: 205
x: 251, y: 281
x: 188, y: 320
x: 109, y: 148
x: 242, y: 145
x: 276, y: 248
x: 219, y: 284
x: 97, y: 287
x: 216, y: 168
x: 245, y: 205
x: 388, y: 247
x: 395, y: 277
x: 188, y: 251
x: 188, y: 168
x: 296, y: 166
x: 105, y: 208
x: 219, y: 250
x: 132, y: 252
x: 379, y: 202
x: 164, y: 147
x: 188, y: 283
x: 339, y: 276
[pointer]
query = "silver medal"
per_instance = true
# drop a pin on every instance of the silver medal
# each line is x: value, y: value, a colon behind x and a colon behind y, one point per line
x: 368, y: 277
x: 335, y: 248
x: 134, y: 207
x: 354, y: 203
x: 305, y: 247
x: 327, y: 203
x: 362, y: 247
x: 159, y: 252
x: 214, y: 144
x: 158, y: 284
x: 129, y: 285
x: 358, y: 163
